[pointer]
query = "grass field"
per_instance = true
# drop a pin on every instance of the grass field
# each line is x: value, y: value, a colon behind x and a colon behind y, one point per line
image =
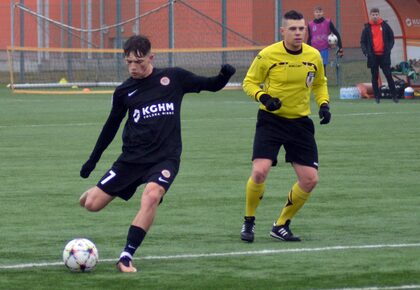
x: 360, y: 229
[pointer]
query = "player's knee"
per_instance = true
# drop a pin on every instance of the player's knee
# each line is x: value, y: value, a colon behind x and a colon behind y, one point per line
x: 88, y: 202
x: 82, y: 199
x: 91, y: 206
x: 153, y: 195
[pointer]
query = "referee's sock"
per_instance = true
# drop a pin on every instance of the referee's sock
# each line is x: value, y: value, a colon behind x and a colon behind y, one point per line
x: 296, y: 199
x: 135, y: 237
x: 254, y: 194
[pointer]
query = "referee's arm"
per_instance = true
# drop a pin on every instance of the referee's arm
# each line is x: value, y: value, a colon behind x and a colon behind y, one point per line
x: 320, y: 86
x: 255, y: 76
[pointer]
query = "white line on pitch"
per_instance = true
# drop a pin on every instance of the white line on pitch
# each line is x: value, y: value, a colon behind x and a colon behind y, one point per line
x: 382, y: 288
x: 230, y: 254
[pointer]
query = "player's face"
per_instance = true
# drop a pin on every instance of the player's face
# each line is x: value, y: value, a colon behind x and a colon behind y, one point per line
x: 318, y: 14
x: 293, y: 32
x: 374, y: 16
x: 139, y: 67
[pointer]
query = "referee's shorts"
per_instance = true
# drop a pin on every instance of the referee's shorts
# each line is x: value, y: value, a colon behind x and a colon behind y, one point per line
x: 296, y: 135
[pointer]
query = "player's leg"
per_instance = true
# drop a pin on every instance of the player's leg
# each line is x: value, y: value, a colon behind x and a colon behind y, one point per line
x: 151, y: 197
x: 159, y: 179
x: 325, y: 56
x: 95, y: 199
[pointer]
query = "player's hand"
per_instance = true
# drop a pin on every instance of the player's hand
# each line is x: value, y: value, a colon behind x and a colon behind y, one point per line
x: 340, y: 52
x: 227, y: 70
x: 271, y: 104
x: 324, y: 114
x: 87, y: 168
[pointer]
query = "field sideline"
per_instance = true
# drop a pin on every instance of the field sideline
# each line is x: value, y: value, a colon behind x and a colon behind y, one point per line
x: 360, y: 229
x: 210, y: 255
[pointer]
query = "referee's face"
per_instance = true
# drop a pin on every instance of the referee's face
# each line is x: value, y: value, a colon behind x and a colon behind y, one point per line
x: 293, y: 32
x: 139, y: 67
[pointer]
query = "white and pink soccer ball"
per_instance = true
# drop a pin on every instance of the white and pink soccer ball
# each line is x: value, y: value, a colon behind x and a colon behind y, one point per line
x: 332, y: 40
x: 80, y: 255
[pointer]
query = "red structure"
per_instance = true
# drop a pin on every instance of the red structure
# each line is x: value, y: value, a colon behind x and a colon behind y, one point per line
x: 250, y: 21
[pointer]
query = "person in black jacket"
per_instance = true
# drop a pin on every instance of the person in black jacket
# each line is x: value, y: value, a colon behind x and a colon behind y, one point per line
x: 151, y: 99
x: 377, y: 41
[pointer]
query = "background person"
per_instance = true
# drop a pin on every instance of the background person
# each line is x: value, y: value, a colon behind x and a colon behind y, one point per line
x: 377, y: 41
x: 318, y: 31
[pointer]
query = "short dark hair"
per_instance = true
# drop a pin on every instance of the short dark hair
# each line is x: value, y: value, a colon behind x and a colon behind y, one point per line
x: 138, y: 44
x: 318, y: 8
x: 293, y: 14
x: 374, y: 10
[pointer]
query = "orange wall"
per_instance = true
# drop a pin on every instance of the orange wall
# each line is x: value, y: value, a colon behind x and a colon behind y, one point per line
x: 254, y: 19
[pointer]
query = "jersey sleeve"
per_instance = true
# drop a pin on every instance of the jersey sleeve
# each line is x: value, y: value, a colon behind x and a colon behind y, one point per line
x: 320, y: 86
x: 192, y: 83
x: 110, y: 127
x: 255, y: 76
x: 335, y: 31
x: 309, y: 40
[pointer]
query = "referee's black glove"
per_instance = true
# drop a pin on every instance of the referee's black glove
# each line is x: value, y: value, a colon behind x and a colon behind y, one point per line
x: 324, y: 114
x: 87, y: 168
x: 272, y: 104
x: 227, y: 70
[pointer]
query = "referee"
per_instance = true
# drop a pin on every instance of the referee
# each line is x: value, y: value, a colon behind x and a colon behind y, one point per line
x: 289, y: 71
x: 151, y: 99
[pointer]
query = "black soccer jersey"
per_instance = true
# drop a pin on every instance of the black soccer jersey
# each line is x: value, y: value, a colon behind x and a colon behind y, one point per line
x: 153, y: 128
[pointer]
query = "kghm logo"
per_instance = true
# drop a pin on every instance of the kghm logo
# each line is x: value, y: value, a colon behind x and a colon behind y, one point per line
x: 154, y: 110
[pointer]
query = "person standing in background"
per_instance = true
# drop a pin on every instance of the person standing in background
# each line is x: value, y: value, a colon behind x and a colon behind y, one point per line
x: 318, y: 31
x: 377, y: 41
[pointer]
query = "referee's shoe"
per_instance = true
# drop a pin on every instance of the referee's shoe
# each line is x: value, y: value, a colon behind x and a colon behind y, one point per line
x: 283, y: 233
x: 248, y: 228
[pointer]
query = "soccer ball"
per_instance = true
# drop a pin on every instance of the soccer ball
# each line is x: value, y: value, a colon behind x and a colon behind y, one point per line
x: 332, y: 40
x: 80, y: 255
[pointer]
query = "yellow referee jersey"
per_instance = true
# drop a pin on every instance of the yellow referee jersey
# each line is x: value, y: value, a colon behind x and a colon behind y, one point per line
x: 289, y: 77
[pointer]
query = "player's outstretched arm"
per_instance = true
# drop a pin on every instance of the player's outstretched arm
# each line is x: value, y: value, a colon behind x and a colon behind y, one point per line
x: 195, y: 83
x: 227, y: 71
x: 108, y: 133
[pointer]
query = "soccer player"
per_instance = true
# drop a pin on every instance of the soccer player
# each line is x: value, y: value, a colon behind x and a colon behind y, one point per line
x: 318, y: 31
x: 151, y: 138
x: 289, y: 70
x: 377, y: 41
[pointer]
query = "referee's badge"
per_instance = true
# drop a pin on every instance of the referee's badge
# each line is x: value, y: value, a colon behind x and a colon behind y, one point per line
x: 165, y: 81
x: 310, y: 79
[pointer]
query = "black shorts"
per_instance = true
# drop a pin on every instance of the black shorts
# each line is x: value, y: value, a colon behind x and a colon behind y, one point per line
x: 123, y: 178
x: 296, y: 135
